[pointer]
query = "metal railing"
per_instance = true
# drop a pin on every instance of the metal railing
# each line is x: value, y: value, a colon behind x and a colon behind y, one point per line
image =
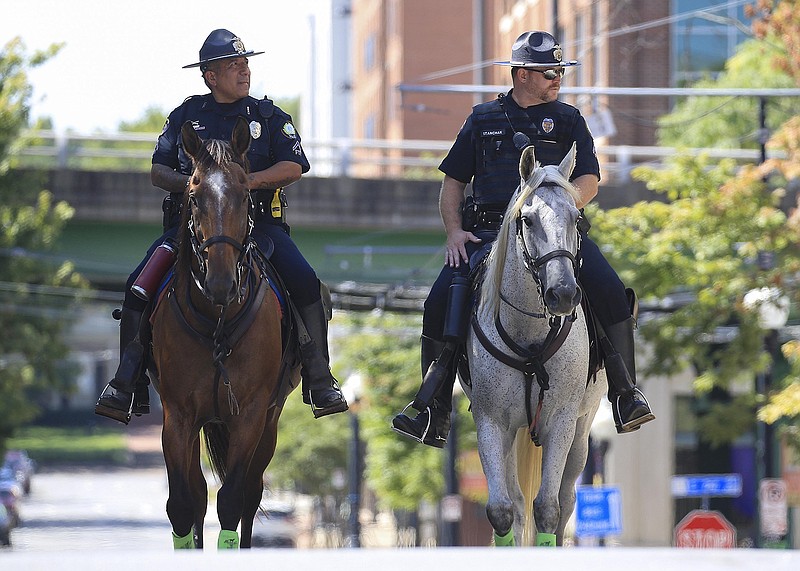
x: 358, y: 158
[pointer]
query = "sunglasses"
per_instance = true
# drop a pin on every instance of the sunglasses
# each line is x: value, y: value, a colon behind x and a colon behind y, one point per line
x: 551, y: 74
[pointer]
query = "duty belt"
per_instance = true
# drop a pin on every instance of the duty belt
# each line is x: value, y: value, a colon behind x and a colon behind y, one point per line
x: 269, y: 205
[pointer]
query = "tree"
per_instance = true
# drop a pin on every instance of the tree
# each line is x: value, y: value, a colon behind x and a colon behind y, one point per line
x: 36, y: 297
x: 705, y: 241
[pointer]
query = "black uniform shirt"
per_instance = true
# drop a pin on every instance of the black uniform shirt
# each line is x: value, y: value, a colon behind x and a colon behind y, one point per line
x: 274, y: 137
x: 461, y: 162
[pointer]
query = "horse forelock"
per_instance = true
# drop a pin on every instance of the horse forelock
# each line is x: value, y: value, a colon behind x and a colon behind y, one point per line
x: 541, y: 176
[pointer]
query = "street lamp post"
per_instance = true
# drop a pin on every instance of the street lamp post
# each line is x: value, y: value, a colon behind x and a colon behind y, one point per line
x: 352, y: 389
x: 773, y: 312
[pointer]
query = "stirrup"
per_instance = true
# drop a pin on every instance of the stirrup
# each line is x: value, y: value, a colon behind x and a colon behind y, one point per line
x: 420, y: 439
x: 636, y: 423
x: 318, y: 412
x: 426, y: 437
x: 113, y: 413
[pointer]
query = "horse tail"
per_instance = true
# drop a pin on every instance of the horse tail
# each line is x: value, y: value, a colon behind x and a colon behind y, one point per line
x: 217, y: 439
x: 529, y: 473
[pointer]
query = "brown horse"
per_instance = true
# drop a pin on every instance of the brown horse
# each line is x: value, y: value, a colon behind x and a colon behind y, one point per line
x: 217, y: 350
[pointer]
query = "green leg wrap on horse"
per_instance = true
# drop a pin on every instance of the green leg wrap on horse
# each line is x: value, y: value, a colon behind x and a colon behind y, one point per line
x: 185, y: 542
x: 228, y: 540
x: 545, y: 540
x: 506, y: 540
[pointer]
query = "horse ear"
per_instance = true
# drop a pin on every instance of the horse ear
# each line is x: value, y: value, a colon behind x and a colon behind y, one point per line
x: 191, y: 141
x: 527, y: 162
x: 240, y: 140
x: 568, y: 163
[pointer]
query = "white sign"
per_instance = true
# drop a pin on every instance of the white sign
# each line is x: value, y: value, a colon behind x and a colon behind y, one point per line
x: 773, y: 509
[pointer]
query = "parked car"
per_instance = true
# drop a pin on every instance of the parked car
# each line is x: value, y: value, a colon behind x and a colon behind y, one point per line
x: 275, y: 526
x: 22, y: 466
x: 5, y: 526
x: 10, y: 492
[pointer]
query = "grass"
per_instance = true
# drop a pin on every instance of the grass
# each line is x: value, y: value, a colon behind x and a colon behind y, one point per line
x: 107, y: 252
x: 56, y: 445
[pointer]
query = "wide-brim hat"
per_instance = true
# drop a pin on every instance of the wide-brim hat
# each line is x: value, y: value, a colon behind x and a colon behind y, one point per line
x: 221, y: 44
x: 536, y: 49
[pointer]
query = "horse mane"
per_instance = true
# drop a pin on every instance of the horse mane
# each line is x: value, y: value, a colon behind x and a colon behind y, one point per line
x: 540, y: 176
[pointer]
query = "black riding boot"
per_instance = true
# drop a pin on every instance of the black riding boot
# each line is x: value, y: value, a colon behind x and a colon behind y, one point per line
x: 630, y: 406
x: 323, y: 389
x: 432, y: 423
x: 129, y: 380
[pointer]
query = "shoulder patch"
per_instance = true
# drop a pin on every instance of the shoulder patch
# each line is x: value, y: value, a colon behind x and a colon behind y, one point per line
x: 288, y: 130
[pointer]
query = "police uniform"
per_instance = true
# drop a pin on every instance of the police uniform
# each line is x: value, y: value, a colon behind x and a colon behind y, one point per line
x: 274, y: 139
x: 485, y: 154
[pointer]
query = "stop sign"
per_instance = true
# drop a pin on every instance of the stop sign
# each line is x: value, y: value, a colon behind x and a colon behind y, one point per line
x: 701, y: 528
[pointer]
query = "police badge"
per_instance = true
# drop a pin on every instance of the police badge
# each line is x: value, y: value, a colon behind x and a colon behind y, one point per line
x: 255, y: 129
x: 557, y: 55
x: 238, y: 45
x: 548, y: 124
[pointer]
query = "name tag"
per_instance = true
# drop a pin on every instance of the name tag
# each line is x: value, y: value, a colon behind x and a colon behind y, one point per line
x: 493, y: 132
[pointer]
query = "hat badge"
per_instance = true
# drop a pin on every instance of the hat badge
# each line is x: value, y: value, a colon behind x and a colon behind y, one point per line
x: 239, y: 46
x: 557, y: 55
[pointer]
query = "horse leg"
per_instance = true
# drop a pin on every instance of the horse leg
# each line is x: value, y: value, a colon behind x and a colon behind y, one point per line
x: 244, y: 435
x: 176, y: 439
x: 254, y: 486
x: 199, y: 490
x: 546, y: 506
x: 576, y: 461
x: 494, y: 447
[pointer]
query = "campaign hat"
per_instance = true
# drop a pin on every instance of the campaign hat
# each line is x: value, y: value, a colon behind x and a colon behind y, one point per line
x: 221, y: 44
x: 536, y: 49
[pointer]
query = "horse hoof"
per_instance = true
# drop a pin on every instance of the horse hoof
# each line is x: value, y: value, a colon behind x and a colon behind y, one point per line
x: 228, y: 539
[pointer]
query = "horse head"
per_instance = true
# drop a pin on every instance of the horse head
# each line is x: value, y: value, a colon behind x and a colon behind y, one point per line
x: 543, y: 216
x: 218, y: 199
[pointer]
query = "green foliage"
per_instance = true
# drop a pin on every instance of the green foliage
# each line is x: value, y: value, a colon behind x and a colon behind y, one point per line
x: 36, y: 297
x: 703, y: 242
x: 733, y: 122
x: 309, y: 450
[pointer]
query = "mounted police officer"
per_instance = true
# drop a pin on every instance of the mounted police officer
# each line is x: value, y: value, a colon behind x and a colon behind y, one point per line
x: 486, y: 152
x: 276, y: 160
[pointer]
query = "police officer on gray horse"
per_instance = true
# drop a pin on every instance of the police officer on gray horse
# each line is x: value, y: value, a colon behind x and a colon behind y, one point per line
x: 486, y: 153
x: 276, y: 159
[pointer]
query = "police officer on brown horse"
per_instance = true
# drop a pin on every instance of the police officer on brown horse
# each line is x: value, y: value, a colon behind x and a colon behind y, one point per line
x: 276, y: 159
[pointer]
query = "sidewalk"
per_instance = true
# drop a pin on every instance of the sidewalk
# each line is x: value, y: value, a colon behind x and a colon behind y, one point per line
x: 144, y: 443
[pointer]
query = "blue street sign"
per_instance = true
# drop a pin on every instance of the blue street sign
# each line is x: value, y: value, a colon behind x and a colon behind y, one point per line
x: 711, y: 485
x: 598, y: 511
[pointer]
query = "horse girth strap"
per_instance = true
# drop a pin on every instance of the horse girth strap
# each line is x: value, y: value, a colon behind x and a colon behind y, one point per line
x: 533, y: 365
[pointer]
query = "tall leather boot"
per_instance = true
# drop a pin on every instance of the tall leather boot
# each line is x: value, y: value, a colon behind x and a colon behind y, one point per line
x: 129, y: 380
x: 628, y: 403
x: 323, y: 389
x: 431, y: 424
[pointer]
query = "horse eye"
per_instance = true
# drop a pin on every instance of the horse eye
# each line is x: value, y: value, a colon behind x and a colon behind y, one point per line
x: 527, y: 221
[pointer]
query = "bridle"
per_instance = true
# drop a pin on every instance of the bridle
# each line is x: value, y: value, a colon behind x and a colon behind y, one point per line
x: 200, y: 249
x: 533, y: 265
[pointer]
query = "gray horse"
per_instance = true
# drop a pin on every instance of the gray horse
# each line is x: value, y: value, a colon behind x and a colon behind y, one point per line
x: 528, y: 352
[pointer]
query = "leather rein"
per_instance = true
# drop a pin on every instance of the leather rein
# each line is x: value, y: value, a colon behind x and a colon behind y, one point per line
x: 530, y: 360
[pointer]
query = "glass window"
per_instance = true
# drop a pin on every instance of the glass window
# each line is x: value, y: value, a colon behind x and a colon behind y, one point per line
x: 704, y: 38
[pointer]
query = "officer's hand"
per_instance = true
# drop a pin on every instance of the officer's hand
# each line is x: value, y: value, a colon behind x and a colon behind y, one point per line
x: 456, y: 251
